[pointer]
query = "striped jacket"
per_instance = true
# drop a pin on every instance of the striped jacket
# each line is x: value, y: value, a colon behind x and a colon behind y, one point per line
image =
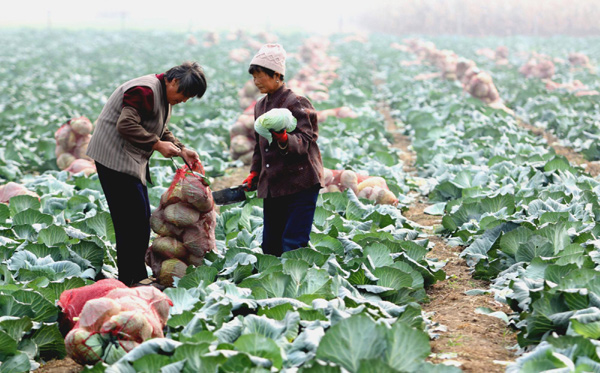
x: 110, y: 149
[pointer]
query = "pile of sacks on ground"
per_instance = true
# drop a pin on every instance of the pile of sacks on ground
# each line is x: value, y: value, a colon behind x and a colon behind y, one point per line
x: 210, y: 39
x: 538, y: 66
x: 576, y: 87
x: 373, y: 188
x: 243, y: 54
x: 499, y: 55
x: 185, y: 223
x: 72, y: 139
x: 317, y: 70
x: 241, y: 136
x: 542, y: 67
x: 580, y: 60
x: 106, y: 320
x: 12, y: 189
x: 477, y: 83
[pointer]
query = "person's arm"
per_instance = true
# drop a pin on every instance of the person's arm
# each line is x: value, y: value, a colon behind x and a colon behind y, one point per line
x: 130, y: 128
x: 168, y: 136
x: 138, y: 104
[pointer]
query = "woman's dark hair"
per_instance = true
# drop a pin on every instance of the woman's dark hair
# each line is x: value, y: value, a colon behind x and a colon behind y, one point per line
x: 192, y: 82
x: 257, y: 68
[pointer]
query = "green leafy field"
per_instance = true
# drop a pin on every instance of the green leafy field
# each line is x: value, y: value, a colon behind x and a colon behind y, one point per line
x: 350, y: 301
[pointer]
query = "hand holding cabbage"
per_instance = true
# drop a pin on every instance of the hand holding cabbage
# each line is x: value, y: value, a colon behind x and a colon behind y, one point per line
x: 275, y: 120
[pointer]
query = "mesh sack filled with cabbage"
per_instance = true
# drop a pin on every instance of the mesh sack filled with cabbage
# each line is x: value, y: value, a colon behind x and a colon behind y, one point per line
x: 276, y: 120
x: 184, y: 223
x: 12, y: 189
x: 373, y: 188
x: 72, y: 139
x: 242, y: 136
x: 109, y: 326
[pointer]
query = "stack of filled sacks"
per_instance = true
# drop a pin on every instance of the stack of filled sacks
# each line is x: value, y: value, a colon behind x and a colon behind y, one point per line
x: 339, y: 112
x: 72, y: 139
x: 373, y: 188
x: 242, y: 138
x: 185, y: 224
x: 12, y: 189
x: 538, y: 66
x: 482, y: 87
x: 108, y: 319
x: 248, y: 95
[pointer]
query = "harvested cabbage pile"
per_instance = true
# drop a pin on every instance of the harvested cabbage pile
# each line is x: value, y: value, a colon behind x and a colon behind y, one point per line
x: 276, y: 120
x: 373, y: 188
x: 72, y: 139
x: 185, y: 224
x: 110, y: 325
x: 12, y: 189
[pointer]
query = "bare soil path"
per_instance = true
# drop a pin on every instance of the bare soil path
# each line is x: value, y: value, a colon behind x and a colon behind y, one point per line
x: 575, y: 158
x: 474, y: 342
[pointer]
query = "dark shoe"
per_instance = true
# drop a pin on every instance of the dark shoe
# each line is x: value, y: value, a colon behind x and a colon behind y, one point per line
x: 149, y: 282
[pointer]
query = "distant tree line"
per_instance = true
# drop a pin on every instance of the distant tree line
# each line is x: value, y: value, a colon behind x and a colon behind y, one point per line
x: 485, y: 17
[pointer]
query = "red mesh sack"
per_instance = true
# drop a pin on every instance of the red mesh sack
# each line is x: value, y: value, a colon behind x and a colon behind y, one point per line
x: 72, y: 139
x: 12, y: 189
x: 108, y: 327
x: 369, y: 187
x: 185, y: 214
x: 72, y: 301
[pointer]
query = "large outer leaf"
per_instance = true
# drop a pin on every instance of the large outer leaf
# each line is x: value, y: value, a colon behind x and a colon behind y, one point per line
x: 23, y: 202
x: 511, y: 241
x: 16, y: 364
x: 8, y: 345
x: 31, y: 216
x: 53, y: 235
x: 352, y: 340
x: 49, y: 341
x: 261, y: 346
x: 407, y: 347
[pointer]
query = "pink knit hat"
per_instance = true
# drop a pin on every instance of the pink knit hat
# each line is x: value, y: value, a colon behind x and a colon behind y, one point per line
x: 271, y: 56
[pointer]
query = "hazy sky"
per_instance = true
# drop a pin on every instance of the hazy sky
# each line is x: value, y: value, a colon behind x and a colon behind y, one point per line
x: 192, y: 15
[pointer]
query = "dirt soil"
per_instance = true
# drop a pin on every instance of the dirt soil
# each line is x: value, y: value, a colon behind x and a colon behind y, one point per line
x: 232, y: 177
x: 575, y: 158
x: 67, y: 365
x: 471, y: 341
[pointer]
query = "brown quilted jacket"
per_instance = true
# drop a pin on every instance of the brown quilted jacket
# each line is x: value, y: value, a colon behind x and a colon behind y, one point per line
x: 299, y: 166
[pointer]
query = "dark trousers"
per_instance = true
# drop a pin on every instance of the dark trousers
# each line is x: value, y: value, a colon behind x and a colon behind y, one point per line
x: 288, y: 221
x: 130, y: 211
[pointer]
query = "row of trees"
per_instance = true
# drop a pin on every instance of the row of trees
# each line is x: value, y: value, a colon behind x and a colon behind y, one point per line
x: 491, y: 17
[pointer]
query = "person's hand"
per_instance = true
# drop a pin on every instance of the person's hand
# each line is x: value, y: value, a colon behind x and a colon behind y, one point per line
x: 191, y: 157
x: 166, y: 148
x: 251, y: 181
x: 281, y: 136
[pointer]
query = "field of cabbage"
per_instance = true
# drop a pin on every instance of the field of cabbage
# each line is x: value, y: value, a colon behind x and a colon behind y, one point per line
x: 351, y: 301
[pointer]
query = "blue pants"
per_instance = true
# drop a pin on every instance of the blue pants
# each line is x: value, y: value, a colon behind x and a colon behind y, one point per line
x: 130, y: 211
x: 288, y: 221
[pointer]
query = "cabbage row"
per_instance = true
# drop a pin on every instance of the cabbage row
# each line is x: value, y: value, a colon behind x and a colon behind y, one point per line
x: 349, y: 302
x: 575, y: 121
x: 526, y: 217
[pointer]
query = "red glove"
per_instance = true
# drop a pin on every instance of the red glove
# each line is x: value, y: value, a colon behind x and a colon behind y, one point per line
x: 281, y: 136
x: 251, y: 181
